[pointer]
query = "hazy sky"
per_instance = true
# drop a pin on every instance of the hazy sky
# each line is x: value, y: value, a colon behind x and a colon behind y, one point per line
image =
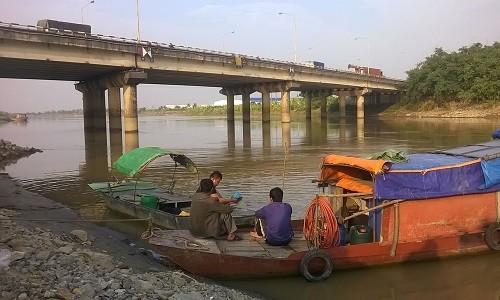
x: 393, y: 35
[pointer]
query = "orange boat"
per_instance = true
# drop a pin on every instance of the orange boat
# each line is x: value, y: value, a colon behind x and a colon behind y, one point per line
x: 433, y: 205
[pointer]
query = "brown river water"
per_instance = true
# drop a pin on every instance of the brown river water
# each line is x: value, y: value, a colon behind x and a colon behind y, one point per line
x: 253, y: 159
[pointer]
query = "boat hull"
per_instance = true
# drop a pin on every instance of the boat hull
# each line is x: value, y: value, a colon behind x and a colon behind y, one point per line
x: 242, y: 266
x: 243, y: 218
x: 425, y: 229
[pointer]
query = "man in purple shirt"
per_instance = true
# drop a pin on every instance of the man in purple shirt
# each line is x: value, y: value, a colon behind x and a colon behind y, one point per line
x: 275, y: 220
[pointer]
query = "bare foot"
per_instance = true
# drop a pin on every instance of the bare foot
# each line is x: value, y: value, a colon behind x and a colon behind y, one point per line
x: 255, y: 234
x: 234, y: 237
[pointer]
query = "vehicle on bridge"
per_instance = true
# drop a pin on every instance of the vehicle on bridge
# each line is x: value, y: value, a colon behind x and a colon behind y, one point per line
x: 366, y: 70
x: 315, y: 64
x: 47, y: 24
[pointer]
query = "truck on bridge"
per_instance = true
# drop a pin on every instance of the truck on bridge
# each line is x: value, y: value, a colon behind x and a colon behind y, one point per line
x: 46, y: 25
x: 366, y: 70
x: 315, y: 64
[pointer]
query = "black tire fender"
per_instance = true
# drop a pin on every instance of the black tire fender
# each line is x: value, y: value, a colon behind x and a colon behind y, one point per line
x: 304, y: 265
x: 493, y: 243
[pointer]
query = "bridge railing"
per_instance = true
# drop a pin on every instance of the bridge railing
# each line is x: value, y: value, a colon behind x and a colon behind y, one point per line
x: 170, y: 48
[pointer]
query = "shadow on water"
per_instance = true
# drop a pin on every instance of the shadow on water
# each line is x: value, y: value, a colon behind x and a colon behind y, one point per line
x: 462, y: 278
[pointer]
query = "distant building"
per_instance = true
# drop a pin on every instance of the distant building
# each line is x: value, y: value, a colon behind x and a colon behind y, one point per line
x: 239, y: 102
x: 171, y: 106
x: 224, y: 102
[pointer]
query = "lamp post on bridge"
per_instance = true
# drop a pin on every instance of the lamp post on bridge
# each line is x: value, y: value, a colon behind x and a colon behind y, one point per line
x: 368, y: 42
x: 138, y: 27
x: 294, y: 35
x: 223, y: 38
x: 81, y: 11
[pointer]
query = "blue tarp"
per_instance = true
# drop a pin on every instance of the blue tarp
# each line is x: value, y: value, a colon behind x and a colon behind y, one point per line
x: 437, y: 175
x: 491, y: 171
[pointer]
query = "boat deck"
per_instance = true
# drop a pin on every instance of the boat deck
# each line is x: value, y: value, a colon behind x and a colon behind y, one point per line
x: 248, y: 247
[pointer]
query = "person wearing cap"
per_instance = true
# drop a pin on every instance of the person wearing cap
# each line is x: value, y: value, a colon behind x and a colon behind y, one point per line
x: 274, y: 221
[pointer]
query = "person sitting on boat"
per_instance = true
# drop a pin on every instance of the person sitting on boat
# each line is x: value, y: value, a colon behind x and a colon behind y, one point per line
x: 496, y: 134
x: 209, y: 218
x: 216, y: 177
x: 274, y: 221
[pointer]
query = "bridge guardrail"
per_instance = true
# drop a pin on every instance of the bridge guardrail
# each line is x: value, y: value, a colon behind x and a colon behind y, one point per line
x: 172, y: 48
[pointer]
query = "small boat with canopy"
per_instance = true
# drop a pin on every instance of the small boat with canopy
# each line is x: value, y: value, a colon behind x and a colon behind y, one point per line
x: 146, y: 200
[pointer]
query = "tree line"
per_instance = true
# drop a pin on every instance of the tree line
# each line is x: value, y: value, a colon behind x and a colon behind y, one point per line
x: 470, y: 75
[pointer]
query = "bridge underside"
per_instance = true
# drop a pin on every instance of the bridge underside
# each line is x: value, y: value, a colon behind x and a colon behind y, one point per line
x: 81, y: 72
x: 100, y: 65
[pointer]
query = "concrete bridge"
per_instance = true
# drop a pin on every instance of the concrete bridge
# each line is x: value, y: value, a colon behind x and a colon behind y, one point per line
x: 117, y: 65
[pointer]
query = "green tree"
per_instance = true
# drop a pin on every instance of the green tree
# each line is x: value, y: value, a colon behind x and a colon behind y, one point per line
x: 471, y: 75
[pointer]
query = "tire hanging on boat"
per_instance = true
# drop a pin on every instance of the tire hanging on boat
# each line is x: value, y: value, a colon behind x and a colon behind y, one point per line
x: 308, y: 257
x: 490, y: 236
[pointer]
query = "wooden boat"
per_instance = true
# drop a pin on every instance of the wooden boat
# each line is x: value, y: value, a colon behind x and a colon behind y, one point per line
x: 19, y: 118
x: 145, y: 200
x: 438, y: 204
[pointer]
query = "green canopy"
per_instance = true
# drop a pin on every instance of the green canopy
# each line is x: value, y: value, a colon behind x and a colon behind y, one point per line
x: 138, y: 159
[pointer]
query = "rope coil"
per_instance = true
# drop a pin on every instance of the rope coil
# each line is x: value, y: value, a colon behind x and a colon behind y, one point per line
x: 321, y: 229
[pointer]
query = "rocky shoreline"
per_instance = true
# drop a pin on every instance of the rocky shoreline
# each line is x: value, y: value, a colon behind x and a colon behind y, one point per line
x: 48, y: 252
x: 10, y: 153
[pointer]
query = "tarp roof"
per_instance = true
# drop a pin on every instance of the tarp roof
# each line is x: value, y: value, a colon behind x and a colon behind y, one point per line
x: 138, y: 159
x: 463, y: 170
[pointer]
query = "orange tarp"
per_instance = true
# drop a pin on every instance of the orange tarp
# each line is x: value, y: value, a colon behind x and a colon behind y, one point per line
x: 355, y: 185
x: 348, y: 171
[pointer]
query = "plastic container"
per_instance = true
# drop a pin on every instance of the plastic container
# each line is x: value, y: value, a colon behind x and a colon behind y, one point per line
x: 342, y: 233
x: 149, y: 201
x: 360, y: 234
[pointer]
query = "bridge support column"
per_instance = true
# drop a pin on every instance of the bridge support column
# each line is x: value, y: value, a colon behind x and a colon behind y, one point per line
x: 130, y: 120
x: 285, y: 106
x: 94, y: 106
x: 360, y: 102
x: 245, y: 99
x: 265, y: 90
x: 266, y: 103
x: 230, y: 106
x: 114, y: 109
x: 324, y: 112
x: 308, y: 98
x: 88, y: 109
x: 130, y: 117
x: 342, y: 95
x: 99, y: 109
x: 285, y: 100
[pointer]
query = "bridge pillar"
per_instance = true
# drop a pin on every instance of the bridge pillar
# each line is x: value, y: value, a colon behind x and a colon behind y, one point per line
x: 114, y: 109
x: 342, y: 95
x: 88, y: 108
x: 266, y: 102
x: 285, y: 106
x: 285, y: 100
x: 230, y: 106
x: 94, y: 106
x: 245, y: 101
x: 130, y: 119
x: 360, y: 102
x: 323, y: 95
x: 308, y: 98
x: 99, y: 109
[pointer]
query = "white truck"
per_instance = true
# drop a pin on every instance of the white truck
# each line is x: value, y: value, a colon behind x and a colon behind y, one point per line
x: 315, y: 64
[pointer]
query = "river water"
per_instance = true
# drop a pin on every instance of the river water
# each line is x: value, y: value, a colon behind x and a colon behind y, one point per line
x: 253, y: 159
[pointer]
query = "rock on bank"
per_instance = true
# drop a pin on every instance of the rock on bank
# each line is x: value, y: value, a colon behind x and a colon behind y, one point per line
x: 48, y: 252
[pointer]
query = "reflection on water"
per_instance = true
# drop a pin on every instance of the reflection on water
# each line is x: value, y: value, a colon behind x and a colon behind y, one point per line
x: 463, y: 278
x: 254, y: 158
